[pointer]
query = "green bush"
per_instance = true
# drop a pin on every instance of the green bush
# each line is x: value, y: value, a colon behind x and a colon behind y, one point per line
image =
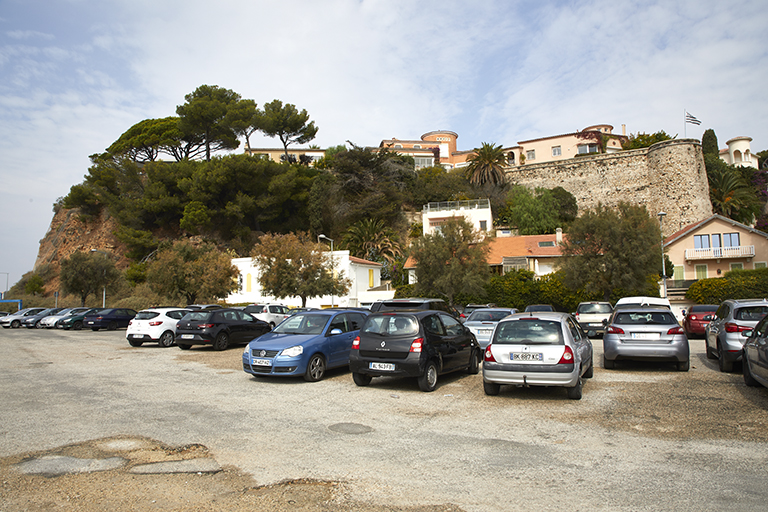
x: 736, y: 284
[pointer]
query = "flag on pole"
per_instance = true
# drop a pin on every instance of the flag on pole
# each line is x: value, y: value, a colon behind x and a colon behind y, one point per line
x: 690, y: 119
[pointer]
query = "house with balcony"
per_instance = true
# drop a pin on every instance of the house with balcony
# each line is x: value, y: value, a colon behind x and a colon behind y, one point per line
x: 712, y: 247
x: 477, y: 212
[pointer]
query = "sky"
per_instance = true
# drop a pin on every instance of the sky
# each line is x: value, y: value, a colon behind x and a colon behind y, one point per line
x: 76, y: 74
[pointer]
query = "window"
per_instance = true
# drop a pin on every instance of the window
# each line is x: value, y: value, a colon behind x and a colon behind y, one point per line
x: 731, y: 240
x: 587, y: 148
x: 548, y: 243
x: 398, y: 146
x: 701, y: 271
x: 701, y: 241
x: 760, y: 264
x: 511, y: 158
x: 483, y: 225
x: 421, y: 161
x: 556, y: 151
x: 737, y: 266
x: 530, y: 154
x: 417, y: 146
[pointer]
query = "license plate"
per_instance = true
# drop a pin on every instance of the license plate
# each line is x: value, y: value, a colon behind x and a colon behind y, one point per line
x: 484, y: 331
x: 261, y: 362
x: 90, y: 323
x: 645, y: 335
x: 137, y: 335
x: 526, y: 356
x: 387, y: 367
x: 595, y: 325
x: 187, y: 336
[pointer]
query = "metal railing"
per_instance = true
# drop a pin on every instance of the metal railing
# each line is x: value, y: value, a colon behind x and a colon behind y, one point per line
x: 741, y: 251
x: 472, y: 204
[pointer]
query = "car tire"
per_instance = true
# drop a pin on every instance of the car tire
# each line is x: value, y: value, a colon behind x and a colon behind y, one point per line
x: 361, y: 379
x: 112, y: 326
x: 135, y: 343
x: 474, y: 363
x: 684, y: 366
x: 749, y: 380
x: 166, y: 339
x: 428, y: 380
x: 15, y: 324
x: 77, y: 326
x: 315, y: 368
x: 608, y: 364
x: 184, y: 347
x: 491, y: 388
x: 574, y: 393
x: 725, y: 366
x: 221, y: 342
x: 590, y: 371
x: 39, y: 325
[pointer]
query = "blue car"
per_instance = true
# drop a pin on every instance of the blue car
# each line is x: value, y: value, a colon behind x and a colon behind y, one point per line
x: 305, y: 344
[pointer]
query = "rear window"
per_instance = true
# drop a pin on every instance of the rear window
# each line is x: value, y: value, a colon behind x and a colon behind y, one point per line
x: 146, y: 315
x: 391, y: 325
x: 487, y: 316
x: 750, y: 313
x: 594, y: 308
x: 529, y: 331
x: 198, y: 316
x: 703, y: 308
x: 643, y: 318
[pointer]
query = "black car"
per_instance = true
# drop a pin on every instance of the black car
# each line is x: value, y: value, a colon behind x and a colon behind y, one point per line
x: 218, y: 327
x: 110, y: 318
x: 412, y: 303
x: 422, y: 344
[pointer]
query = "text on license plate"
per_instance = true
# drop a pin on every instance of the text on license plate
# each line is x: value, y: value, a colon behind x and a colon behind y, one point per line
x: 262, y: 362
x: 187, y: 336
x: 645, y: 335
x: 526, y: 356
x: 484, y: 331
x: 389, y: 367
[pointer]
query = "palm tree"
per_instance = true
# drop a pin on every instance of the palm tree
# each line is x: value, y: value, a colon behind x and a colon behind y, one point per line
x: 730, y: 195
x: 486, y: 165
x: 373, y: 240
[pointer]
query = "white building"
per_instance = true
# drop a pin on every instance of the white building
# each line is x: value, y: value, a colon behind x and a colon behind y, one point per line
x: 477, y: 212
x: 364, y: 276
x: 739, y: 152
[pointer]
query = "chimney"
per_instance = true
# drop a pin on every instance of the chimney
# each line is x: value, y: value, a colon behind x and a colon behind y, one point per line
x: 559, y: 235
x: 623, y: 129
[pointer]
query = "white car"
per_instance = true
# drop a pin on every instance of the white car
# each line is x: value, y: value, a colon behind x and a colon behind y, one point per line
x: 273, y: 314
x: 155, y: 325
x: 49, y: 322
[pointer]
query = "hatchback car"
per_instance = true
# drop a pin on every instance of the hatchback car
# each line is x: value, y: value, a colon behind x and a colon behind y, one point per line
x: 75, y: 320
x: 306, y: 344
x: 421, y: 344
x: 14, y: 319
x: 482, y: 322
x: 50, y: 322
x: 539, y: 349
x: 725, y: 334
x: 33, y: 321
x: 534, y: 308
x: 593, y: 315
x: 645, y: 334
x: 412, y: 303
x: 218, y: 327
x: 755, y: 356
x: 471, y: 308
x: 154, y: 325
x: 273, y: 314
x: 697, y: 318
x: 110, y: 319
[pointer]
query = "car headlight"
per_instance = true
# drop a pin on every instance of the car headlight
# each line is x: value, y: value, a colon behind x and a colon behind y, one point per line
x: 247, y: 351
x: 294, y: 351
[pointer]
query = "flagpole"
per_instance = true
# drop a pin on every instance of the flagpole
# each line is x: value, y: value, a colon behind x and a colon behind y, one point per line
x: 685, y: 124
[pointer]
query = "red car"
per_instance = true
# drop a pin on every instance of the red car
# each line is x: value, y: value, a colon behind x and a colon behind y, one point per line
x: 694, y: 323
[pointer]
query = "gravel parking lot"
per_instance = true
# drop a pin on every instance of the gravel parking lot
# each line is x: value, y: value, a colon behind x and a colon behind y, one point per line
x: 644, y: 436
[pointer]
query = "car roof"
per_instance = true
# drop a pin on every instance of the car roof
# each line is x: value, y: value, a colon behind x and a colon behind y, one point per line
x: 643, y: 309
x: 741, y: 302
x: 543, y: 315
x: 643, y: 299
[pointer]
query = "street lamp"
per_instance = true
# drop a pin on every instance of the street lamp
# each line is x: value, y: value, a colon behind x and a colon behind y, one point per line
x: 333, y: 263
x: 104, y: 290
x: 663, y: 263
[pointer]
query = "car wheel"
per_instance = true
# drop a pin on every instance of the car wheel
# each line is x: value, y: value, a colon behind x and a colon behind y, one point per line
x: 361, y: 379
x: 590, y: 371
x: 428, y: 381
x: 315, y: 369
x: 491, y: 388
x: 15, y: 324
x: 749, y: 380
x: 112, y: 326
x: 135, y: 343
x: 222, y: 341
x: 725, y: 366
x: 574, y: 393
x: 608, y: 364
x: 166, y: 339
x: 184, y: 347
x: 474, y: 363
x: 39, y: 325
x: 77, y: 326
x: 684, y: 366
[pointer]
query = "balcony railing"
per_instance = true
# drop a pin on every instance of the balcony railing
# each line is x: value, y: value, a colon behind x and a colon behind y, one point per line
x: 742, y: 251
x: 457, y: 205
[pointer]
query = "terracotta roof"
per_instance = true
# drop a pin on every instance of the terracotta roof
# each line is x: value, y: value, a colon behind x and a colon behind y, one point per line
x: 361, y: 261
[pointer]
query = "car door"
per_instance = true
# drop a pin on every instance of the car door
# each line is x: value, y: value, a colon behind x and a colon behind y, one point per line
x: 713, y: 329
x: 458, y: 342
x: 582, y: 345
x: 435, y: 338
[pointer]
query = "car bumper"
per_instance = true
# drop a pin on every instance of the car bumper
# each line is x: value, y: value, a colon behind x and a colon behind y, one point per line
x: 677, y: 351
x: 287, y: 367
x: 598, y: 327
x: 411, y: 366
x: 140, y: 336
x: 193, y: 339
x: 530, y: 375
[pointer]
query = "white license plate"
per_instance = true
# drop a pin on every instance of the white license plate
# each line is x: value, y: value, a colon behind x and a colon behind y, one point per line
x: 387, y: 367
x: 595, y: 325
x: 645, y: 335
x: 90, y: 323
x: 137, y: 335
x: 187, y: 336
x: 484, y: 331
x: 261, y: 362
x: 526, y: 356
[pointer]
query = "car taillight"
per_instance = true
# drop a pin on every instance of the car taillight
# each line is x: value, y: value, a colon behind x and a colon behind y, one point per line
x: 693, y: 317
x: 155, y: 323
x: 612, y: 329
x: 130, y: 323
x: 676, y: 330
x: 489, y: 355
x: 205, y: 326
x: 416, y: 345
x: 731, y: 327
x: 567, y: 356
x: 356, y: 343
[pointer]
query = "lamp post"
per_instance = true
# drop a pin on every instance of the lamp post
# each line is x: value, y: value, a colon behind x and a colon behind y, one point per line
x: 332, y: 262
x: 104, y: 289
x: 663, y: 263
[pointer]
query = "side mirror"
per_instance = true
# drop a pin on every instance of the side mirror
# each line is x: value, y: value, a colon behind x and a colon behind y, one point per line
x: 335, y: 331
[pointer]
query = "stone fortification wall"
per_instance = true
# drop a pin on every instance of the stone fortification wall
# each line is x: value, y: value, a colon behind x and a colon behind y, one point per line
x: 669, y: 176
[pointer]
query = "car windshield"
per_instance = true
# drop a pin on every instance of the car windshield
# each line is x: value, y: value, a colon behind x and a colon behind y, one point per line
x: 303, y: 323
x: 750, y: 313
x: 645, y: 318
x: 594, y: 308
x: 487, y: 316
x: 391, y: 325
x: 146, y: 315
x: 529, y: 331
x: 64, y: 312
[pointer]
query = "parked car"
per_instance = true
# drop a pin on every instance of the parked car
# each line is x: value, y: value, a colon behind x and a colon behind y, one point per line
x: 592, y: 316
x: 549, y: 349
x: 412, y: 303
x: 421, y: 344
x: 75, y: 321
x: 50, y: 322
x: 696, y: 319
x: 154, y: 325
x: 4, y: 313
x: 273, y: 314
x: 14, y: 319
x: 204, y: 306
x: 725, y: 334
x: 471, y: 308
x: 218, y: 327
x: 642, y: 300
x: 305, y: 344
x: 110, y: 319
x: 535, y: 308
x: 482, y: 322
x: 645, y: 333
x: 755, y: 357
x: 33, y: 321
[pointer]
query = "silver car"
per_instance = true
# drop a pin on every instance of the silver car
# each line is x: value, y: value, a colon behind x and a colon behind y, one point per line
x: 726, y: 333
x: 645, y: 334
x: 538, y: 349
x: 755, y: 357
x: 482, y: 322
